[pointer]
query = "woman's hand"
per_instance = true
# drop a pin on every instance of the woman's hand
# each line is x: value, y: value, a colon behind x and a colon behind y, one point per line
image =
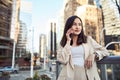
x: 70, y: 31
x: 89, y: 61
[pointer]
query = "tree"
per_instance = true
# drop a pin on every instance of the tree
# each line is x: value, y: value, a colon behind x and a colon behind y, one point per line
x: 118, y: 5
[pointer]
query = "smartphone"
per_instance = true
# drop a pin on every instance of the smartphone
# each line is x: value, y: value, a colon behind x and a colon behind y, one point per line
x: 71, y: 35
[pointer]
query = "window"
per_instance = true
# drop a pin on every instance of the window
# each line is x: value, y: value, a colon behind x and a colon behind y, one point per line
x: 91, y: 2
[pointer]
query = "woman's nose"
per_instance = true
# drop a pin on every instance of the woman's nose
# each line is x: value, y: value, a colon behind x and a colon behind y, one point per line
x: 77, y: 26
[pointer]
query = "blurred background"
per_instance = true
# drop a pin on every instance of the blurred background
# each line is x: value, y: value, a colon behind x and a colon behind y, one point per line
x: 30, y: 30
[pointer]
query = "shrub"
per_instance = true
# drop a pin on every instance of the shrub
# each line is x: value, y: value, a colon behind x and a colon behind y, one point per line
x: 28, y: 79
x: 45, y: 77
x: 5, y: 74
x: 36, y: 76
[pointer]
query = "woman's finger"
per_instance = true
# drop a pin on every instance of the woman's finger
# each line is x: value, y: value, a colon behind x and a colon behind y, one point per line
x: 88, y: 64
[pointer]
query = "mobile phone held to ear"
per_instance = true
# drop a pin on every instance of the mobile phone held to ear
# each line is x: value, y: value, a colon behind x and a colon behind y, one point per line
x: 71, y: 35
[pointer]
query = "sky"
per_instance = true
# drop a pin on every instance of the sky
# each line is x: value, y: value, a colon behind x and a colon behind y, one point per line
x: 37, y: 13
x: 43, y: 10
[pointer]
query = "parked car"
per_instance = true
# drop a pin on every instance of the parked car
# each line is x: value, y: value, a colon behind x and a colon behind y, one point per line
x: 9, y: 69
x: 1, y: 69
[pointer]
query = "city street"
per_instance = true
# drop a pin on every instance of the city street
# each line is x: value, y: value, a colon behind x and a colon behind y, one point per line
x: 33, y: 38
x: 22, y: 75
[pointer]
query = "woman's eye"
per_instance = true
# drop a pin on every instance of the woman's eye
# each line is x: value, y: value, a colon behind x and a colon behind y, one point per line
x: 74, y: 24
x: 79, y: 24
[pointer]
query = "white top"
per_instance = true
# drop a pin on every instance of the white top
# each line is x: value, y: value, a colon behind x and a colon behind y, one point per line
x: 78, y: 55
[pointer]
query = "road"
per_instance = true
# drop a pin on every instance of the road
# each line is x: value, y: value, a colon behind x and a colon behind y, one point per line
x: 22, y: 75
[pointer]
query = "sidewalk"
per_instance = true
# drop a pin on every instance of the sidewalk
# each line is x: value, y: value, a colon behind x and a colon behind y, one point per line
x: 52, y: 75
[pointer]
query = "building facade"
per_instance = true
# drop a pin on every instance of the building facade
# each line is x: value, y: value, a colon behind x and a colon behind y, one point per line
x: 6, y: 43
x: 15, y: 24
x: 111, y: 17
x: 53, y: 40
x: 70, y: 7
x: 42, y: 46
x: 22, y: 40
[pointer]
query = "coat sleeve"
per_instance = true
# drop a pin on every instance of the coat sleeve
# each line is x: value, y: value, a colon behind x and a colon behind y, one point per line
x: 101, y: 51
x: 63, y: 54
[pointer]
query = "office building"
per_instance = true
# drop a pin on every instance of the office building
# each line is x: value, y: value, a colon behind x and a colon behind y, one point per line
x: 6, y: 43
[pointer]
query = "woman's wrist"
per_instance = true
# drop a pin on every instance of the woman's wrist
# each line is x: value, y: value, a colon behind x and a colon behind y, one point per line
x: 96, y: 56
x: 68, y: 41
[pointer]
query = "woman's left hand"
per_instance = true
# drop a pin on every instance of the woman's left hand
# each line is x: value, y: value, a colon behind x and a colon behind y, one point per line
x: 89, y: 61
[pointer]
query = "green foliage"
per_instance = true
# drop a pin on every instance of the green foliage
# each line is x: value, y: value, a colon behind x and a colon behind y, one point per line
x: 45, y: 77
x: 36, y: 76
x: 5, y: 74
x: 28, y: 79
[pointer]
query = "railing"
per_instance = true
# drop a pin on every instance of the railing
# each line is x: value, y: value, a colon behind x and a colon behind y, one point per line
x: 110, y: 60
x: 101, y: 64
x: 5, y: 78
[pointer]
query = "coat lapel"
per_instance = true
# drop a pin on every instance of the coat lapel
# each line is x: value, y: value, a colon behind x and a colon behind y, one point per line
x: 71, y: 62
x: 86, y: 50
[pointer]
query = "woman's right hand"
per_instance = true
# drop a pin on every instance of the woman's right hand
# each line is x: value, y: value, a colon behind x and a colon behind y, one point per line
x: 70, y: 31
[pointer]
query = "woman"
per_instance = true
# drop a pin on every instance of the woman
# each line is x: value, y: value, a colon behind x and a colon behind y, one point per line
x: 78, y: 53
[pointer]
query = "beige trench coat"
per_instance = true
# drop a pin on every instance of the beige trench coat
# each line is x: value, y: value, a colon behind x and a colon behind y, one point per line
x: 65, y: 57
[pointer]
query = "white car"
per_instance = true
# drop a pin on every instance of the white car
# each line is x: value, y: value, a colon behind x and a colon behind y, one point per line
x: 1, y: 69
x: 9, y: 69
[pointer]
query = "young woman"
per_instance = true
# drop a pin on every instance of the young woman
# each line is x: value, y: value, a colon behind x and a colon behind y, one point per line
x: 78, y: 53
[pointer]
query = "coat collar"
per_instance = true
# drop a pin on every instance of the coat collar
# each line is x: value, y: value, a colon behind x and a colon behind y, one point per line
x: 86, y: 50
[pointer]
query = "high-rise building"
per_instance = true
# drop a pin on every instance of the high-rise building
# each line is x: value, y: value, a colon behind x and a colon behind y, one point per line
x: 26, y: 17
x: 22, y: 40
x: 15, y: 25
x: 6, y: 43
x: 70, y: 7
x: 117, y: 2
x: 53, y: 40
x: 111, y: 17
x: 25, y: 36
x: 43, y: 46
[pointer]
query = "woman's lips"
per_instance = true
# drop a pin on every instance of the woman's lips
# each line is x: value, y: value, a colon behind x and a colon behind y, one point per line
x: 77, y: 30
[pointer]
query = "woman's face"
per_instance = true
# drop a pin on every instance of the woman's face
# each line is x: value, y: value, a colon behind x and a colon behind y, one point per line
x: 77, y: 26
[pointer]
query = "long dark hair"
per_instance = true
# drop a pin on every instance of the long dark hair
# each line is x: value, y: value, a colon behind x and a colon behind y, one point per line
x: 81, y: 37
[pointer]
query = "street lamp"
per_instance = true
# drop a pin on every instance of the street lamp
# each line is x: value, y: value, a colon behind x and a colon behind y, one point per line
x: 13, y: 56
x: 31, y: 69
x: 101, y: 35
